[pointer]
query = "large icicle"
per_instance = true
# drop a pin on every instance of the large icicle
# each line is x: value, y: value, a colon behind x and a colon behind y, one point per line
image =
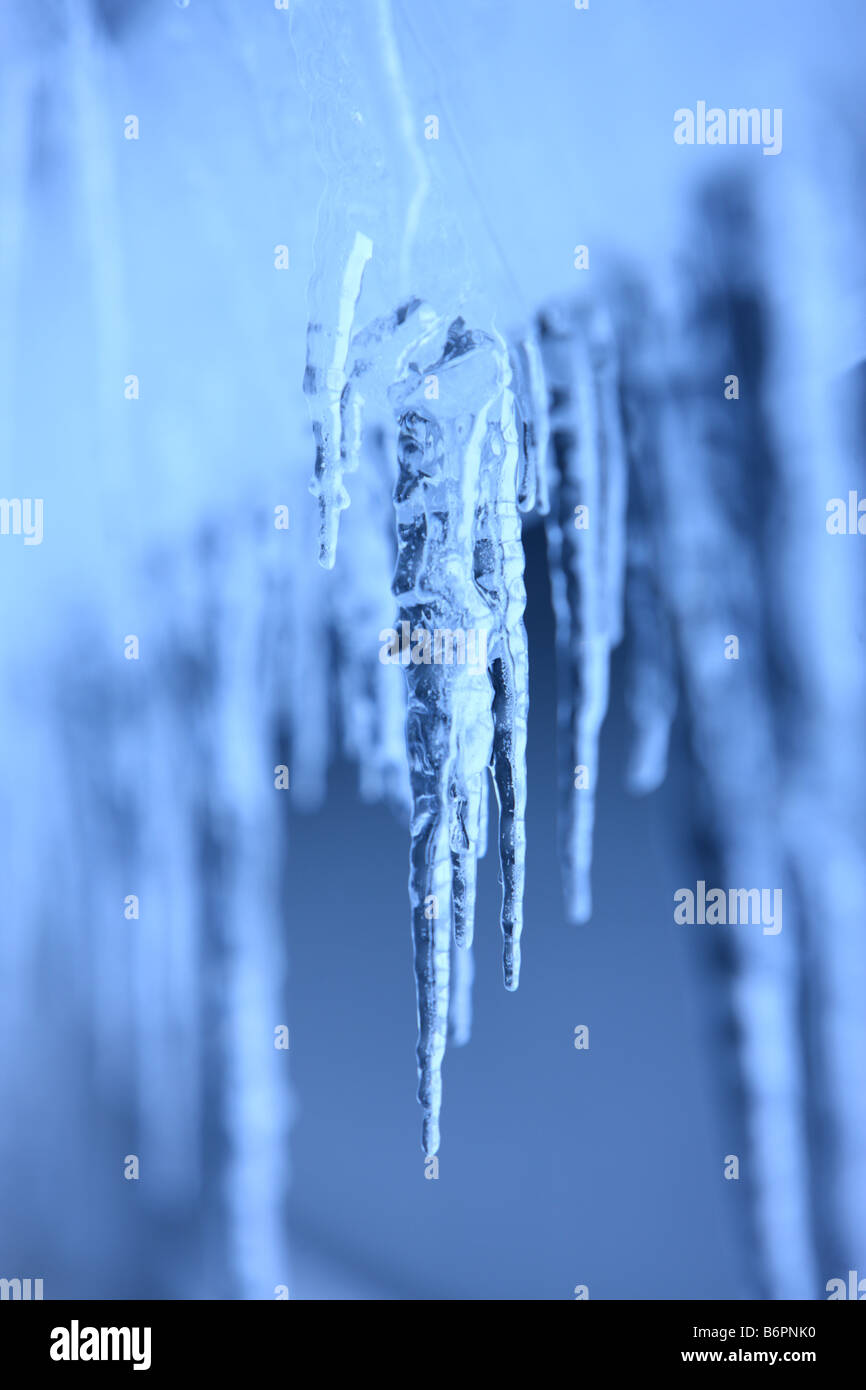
x: 459, y: 575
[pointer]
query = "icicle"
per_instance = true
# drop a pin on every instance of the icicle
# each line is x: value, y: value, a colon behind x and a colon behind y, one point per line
x: 17, y: 95
x: 302, y: 627
x: 350, y: 65
x: 651, y: 690
x: 485, y: 817
x: 372, y: 695
x: 325, y: 382
x: 530, y: 390
x: 651, y: 678
x: 819, y: 356
x: 586, y: 556
x: 719, y: 468
x: 499, y: 573
x: 460, y: 1007
x: 464, y: 803
x: 373, y: 703
x: 257, y: 1103
x: 459, y: 573
x: 614, y: 471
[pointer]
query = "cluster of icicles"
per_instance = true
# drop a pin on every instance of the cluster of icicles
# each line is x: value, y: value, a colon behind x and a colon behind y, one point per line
x: 484, y: 430
x: 666, y: 506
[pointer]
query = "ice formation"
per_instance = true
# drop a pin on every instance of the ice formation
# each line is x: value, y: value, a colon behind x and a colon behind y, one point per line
x: 615, y: 429
x: 466, y: 453
x: 451, y: 413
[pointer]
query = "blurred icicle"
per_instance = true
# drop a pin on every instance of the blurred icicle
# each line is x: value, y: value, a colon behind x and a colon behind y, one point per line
x: 586, y: 548
x: 18, y: 83
x: 722, y: 493
x: 372, y: 701
x: 97, y: 213
x: 209, y: 961
x: 258, y: 1095
x: 460, y: 1006
x: 651, y: 675
x: 819, y: 414
x: 301, y: 624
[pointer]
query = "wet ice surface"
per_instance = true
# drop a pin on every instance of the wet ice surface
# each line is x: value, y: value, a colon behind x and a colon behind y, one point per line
x: 459, y: 571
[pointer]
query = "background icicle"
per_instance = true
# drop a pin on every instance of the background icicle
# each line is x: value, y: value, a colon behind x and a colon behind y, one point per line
x: 586, y: 545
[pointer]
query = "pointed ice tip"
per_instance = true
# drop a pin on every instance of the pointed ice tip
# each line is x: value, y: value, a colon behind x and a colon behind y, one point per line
x: 329, y: 530
x: 648, y: 765
x: 464, y: 934
x: 511, y: 968
x: 643, y: 783
x: 430, y: 1137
